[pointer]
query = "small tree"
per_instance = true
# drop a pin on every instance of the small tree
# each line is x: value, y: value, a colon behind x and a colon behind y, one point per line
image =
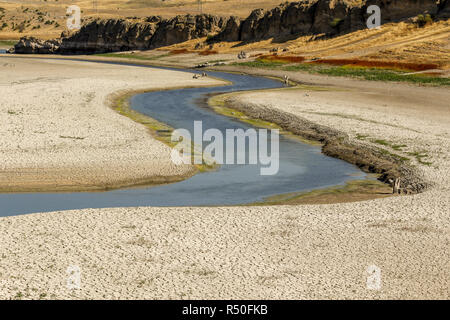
x: 423, y: 20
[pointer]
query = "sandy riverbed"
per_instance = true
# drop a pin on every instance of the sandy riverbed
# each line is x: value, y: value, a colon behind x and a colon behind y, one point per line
x: 289, y: 252
x: 58, y: 134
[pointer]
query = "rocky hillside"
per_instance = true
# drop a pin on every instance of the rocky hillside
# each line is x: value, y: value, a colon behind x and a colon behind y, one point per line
x: 315, y: 17
x: 324, y: 17
x: 120, y: 35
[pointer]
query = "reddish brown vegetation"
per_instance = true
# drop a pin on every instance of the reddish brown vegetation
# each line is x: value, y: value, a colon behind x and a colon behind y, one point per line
x: 277, y: 58
x: 201, y: 53
x: 179, y: 51
x: 379, y: 64
x: 207, y: 52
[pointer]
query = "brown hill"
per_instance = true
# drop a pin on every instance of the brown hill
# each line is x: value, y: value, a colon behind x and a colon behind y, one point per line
x: 320, y: 18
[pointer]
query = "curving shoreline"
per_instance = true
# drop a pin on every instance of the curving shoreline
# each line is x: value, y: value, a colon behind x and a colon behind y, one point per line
x: 357, y: 191
x: 377, y: 157
x: 338, y: 145
x: 63, y: 140
x: 335, y: 144
x: 276, y: 252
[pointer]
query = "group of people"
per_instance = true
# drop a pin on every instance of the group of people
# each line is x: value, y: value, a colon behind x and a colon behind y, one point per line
x: 197, y: 76
x: 242, y: 55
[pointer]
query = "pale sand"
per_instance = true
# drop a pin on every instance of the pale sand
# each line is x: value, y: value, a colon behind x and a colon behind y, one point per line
x: 290, y: 252
x: 57, y: 131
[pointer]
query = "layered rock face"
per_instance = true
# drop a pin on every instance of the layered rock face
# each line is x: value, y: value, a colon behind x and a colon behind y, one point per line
x: 231, y: 30
x: 444, y: 9
x: 111, y: 35
x: 121, y: 35
x: 329, y: 17
x: 33, y: 45
x: 183, y: 28
x: 314, y: 17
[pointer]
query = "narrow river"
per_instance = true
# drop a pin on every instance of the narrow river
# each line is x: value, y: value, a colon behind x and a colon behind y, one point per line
x: 302, y: 167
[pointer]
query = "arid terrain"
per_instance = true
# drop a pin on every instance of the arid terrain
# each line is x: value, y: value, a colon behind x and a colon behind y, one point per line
x: 54, y: 113
x: 395, y: 46
x: 384, y: 89
x: 277, y: 252
x: 47, y: 19
x: 419, y: 39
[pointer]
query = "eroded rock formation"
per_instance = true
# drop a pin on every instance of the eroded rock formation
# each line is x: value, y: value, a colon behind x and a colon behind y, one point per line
x: 327, y: 17
x: 98, y: 36
x: 315, y: 17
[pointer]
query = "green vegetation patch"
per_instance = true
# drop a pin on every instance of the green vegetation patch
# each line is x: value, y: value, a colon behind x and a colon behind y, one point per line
x: 365, y: 73
x: 132, y: 56
x: 8, y: 43
x: 420, y: 156
x: 354, y: 190
x: 261, y: 63
x: 335, y: 22
x: 160, y: 131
